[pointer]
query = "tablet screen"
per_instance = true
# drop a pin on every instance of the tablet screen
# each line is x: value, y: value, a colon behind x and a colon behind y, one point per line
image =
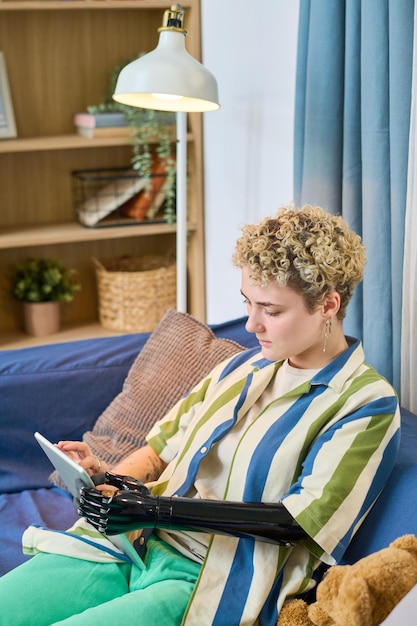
x: 73, y: 475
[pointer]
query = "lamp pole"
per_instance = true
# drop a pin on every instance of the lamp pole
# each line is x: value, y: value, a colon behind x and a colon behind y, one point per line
x: 181, y: 209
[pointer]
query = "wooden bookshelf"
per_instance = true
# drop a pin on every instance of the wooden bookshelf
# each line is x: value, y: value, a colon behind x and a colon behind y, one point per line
x: 59, y: 56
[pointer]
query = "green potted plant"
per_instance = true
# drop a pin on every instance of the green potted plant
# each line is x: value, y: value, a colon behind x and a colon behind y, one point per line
x: 42, y: 284
x: 153, y: 136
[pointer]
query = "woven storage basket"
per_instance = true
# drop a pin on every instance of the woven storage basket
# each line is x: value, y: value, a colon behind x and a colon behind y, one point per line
x: 134, y: 293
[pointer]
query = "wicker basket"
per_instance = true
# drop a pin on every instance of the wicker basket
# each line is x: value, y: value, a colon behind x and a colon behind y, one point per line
x: 135, y: 292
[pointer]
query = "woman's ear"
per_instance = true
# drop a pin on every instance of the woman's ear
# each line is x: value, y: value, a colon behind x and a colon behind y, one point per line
x: 331, y: 304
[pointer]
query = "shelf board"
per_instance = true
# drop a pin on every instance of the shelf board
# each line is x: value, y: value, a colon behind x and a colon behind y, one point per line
x: 63, y: 142
x: 13, y: 340
x: 71, y: 232
x: 70, y: 5
x: 59, y: 142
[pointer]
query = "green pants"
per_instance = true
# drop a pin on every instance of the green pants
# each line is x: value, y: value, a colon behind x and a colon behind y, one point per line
x: 53, y: 589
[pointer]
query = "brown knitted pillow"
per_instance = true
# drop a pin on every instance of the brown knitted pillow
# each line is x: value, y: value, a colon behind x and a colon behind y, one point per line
x: 179, y: 353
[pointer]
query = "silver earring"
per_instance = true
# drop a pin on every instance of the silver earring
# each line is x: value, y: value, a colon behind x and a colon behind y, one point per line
x: 327, y: 331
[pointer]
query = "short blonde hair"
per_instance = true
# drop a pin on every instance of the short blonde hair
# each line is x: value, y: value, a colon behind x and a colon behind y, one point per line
x: 308, y: 249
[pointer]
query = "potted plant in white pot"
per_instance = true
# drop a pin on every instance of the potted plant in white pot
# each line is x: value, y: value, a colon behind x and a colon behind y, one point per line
x: 42, y: 284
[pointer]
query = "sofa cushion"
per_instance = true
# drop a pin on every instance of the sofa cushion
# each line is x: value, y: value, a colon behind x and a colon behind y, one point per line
x: 179, y: 353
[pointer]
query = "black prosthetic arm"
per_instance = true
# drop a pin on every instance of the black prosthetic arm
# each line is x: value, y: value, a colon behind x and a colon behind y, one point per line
x: 132, y: 507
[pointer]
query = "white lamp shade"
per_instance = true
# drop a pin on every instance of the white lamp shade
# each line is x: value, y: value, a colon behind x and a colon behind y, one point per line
x: 168, y: 79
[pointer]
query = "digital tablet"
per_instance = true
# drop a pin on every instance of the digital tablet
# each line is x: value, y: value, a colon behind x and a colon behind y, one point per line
x: 75, y: 477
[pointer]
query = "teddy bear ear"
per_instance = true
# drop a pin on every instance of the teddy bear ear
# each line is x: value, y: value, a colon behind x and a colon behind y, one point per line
x: 406, y: 542
x: 321, y: 611
x: 330, y: 584
x: 355, y: 606
x: 319, y: 616
x: 343, y: 599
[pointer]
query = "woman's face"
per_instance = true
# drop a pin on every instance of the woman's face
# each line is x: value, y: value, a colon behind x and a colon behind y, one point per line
x: 283, y: 325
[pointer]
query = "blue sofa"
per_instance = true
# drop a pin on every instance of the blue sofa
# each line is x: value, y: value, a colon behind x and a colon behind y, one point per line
x: 62, y: 389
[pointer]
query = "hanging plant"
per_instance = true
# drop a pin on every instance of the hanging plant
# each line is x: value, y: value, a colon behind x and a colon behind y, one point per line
x: 153, y: 137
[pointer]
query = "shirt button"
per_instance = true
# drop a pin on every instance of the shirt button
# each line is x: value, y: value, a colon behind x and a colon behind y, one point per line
x: 203, y: 450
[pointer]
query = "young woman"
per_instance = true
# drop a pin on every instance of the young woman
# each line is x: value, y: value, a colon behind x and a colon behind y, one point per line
x: 302, y: 423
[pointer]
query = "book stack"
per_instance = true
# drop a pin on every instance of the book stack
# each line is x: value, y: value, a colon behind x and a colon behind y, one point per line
x: 114, y: 194
x: 92, y: 125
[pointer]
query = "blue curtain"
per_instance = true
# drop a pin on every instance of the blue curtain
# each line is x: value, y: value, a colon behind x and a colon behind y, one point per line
x: 352, y: 119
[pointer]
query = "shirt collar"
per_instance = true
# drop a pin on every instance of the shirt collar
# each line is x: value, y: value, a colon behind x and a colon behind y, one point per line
x: 337, y: 372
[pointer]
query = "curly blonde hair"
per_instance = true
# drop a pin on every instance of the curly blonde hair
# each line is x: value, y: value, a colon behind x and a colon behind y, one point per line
x: 308, y: 249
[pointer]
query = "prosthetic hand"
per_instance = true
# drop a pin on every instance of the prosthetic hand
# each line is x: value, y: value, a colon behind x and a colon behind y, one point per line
x: 133, y: 506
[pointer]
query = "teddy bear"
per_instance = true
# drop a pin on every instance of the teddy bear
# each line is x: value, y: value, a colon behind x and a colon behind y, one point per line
x: 362, y: 594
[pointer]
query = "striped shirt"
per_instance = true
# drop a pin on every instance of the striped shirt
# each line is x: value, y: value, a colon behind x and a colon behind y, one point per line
x: 325, y: 449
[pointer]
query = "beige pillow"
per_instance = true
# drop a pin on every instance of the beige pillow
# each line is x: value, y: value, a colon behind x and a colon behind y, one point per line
x: 179, y: 353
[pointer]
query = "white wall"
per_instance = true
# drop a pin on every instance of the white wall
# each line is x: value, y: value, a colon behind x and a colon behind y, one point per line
x: 251, y: 49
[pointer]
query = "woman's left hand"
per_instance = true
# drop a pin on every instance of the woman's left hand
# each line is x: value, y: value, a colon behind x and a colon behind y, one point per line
x: 81, y: 453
